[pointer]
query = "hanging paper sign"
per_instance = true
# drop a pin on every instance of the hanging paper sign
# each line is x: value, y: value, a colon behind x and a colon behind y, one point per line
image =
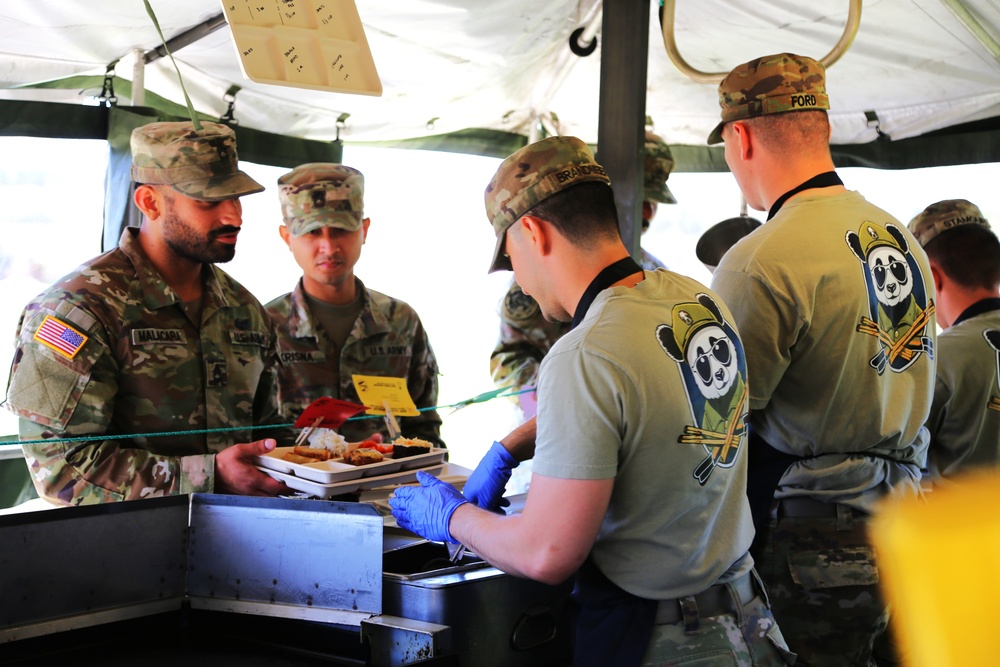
x: 317, y: 44
x: 376, y: 391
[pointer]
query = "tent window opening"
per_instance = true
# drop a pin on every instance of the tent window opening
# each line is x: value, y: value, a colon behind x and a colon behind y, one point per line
x: 51, y: 221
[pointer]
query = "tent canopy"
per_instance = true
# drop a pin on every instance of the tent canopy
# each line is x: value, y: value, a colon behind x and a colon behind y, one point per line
x: 481, y: 77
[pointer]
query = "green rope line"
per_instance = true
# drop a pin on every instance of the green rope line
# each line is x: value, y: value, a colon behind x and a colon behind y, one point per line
x: 180, y: 79
x: 503, y: 392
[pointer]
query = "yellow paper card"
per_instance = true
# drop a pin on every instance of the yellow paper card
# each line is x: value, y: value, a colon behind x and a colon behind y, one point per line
x: 374, y: 391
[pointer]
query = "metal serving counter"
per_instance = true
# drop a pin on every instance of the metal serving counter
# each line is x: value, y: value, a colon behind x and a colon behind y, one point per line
x: 218, y: 580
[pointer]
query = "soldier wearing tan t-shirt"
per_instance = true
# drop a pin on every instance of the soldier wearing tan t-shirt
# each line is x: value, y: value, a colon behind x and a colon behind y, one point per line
x: 964, y: 253
x: 835, y: 303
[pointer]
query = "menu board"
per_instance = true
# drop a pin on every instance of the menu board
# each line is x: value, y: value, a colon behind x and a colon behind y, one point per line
x: 317, y: 44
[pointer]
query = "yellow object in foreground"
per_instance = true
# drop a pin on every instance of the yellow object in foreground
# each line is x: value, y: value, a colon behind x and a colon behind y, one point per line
x: 938, y: 559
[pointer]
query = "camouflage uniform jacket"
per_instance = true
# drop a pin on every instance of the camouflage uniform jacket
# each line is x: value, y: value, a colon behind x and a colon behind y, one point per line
x: 142, y: 367
x: 387, y: 340
x: 526, y: 336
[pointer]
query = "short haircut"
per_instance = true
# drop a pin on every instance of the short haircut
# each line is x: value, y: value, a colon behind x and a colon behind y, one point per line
x: 582, y: 213
x: 969, y: 255
x: 794, y: 130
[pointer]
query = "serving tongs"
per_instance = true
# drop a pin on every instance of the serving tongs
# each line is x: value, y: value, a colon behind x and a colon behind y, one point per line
x: 455, y: 552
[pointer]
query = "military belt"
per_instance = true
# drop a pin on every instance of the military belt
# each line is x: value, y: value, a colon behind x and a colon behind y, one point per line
x: 715, y: 601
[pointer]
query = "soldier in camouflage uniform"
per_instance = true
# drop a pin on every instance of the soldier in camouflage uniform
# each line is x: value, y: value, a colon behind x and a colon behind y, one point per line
x: 621, y: 495
x: 151, y: 337
x: 834, y: 301
x: 525, y: 336
x: 331, y: 327
x: 964, y: 253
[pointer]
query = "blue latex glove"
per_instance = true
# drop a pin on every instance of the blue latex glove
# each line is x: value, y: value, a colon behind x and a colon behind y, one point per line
x: 489, y: 480
x: 427, y: 510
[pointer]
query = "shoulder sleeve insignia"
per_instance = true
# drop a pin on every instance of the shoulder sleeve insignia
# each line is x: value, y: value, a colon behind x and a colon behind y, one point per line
x: 518, y: 306
x: 60, y: 337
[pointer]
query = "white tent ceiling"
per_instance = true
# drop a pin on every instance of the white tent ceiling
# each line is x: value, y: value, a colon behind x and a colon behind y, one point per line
x: 450, y: 65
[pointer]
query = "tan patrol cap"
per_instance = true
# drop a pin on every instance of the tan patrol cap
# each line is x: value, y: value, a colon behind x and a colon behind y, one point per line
x: 772, y: 84
x: 532, y: 175
x: 201, y: 164
x: 322, y: 194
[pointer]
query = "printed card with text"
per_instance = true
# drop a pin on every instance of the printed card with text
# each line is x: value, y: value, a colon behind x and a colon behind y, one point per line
x: 375, y: 391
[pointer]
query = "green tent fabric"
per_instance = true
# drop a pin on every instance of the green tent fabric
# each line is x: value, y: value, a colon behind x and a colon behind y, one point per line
x: 15, y: 482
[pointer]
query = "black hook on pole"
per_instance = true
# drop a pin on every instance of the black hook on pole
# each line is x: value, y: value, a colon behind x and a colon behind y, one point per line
x: 230, y: 97
x: 579, y: 49
x: 107, y: 96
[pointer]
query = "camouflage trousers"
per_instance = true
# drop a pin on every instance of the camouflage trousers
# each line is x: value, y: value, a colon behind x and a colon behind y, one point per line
x: 748, y: 637
x: 822, y: 577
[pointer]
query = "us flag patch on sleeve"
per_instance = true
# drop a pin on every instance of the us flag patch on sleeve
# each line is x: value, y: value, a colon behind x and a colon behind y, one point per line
x: 62, y: 338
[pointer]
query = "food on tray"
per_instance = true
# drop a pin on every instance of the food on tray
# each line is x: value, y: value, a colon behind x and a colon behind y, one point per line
x: 379, y: 446
x: 329, y: 440
x: 310, y: 454
x: 362, y: 457
x: 324, y: 444
x: 295, y: 458
x: 404, y: 447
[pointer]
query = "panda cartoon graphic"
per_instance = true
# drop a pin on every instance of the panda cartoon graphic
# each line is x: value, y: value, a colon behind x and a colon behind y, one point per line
x: 992, y: 337
x: 710, y: 358
x: 899, y: 310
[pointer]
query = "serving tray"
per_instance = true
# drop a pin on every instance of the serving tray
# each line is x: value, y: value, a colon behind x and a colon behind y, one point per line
x: 350, y: 486
x: 335, y: 471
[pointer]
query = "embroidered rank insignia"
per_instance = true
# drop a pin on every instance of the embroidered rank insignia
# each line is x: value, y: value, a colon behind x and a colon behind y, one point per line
x: 60, y: 337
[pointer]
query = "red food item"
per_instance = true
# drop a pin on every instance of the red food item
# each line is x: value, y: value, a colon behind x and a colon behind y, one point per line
x: 383, y: 447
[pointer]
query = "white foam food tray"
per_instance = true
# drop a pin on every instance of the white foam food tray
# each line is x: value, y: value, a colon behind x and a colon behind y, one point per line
x: 350, y: 486
x: 334, y: 471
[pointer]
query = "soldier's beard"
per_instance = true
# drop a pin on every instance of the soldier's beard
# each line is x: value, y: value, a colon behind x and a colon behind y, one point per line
x: 186, y: 243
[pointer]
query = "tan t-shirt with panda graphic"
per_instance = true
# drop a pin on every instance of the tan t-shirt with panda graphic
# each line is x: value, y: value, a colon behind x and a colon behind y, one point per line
x: 833, y: 298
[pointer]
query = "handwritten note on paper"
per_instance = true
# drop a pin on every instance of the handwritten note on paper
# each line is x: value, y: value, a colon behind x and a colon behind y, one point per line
x: 374, y: 391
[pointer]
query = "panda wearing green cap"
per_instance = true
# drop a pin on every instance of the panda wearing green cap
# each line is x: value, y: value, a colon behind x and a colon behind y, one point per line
x: 899, y: 309
x: 710, y: 357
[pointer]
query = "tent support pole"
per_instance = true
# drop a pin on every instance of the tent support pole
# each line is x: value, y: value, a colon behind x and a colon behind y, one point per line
x: 138, y: 78
x: 622, y: 110
x: 189, y: 36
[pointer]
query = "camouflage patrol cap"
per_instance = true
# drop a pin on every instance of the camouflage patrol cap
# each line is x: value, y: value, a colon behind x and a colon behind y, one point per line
x: 659, y: 162
x: 944, y: 215
x: 532, y: 175
x: 772, y: 84
x: 201, y: 164
x: 322, y: 194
